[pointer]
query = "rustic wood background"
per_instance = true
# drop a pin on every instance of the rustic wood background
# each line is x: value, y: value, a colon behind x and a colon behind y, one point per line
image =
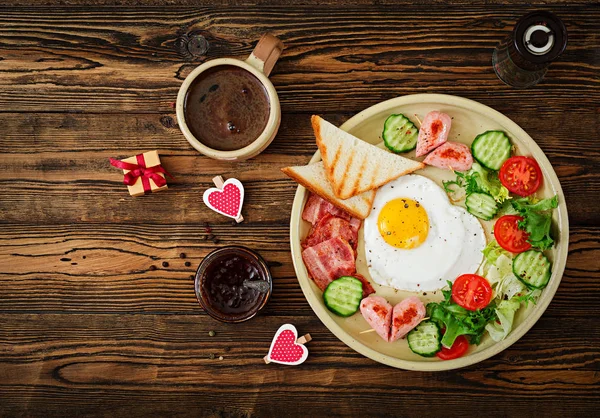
x: 87, y: 328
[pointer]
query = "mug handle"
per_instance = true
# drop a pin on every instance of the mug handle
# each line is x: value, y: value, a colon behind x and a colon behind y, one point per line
x: 265, y: 54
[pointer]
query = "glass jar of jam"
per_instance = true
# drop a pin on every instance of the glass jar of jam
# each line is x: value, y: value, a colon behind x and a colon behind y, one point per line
x: 233, y: 284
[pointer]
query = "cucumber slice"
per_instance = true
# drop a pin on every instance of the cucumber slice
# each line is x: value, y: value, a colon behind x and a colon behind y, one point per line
x: 481, y: 205
x: 532, y: 268
x: 425, y: 339
x: 343, y: 296
x: 399, y: 133
x: 491, y: 149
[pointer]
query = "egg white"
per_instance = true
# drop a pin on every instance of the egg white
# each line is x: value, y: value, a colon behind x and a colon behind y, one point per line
x: 453, y: 245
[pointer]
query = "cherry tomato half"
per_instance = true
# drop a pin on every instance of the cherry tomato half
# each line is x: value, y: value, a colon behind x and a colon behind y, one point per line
x: 471, y: 291
x: 521, y: 175
x: 458, y: 349
x: 509, y: 236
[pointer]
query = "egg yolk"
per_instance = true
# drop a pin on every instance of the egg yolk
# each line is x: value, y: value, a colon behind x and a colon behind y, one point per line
x: 403, y: 223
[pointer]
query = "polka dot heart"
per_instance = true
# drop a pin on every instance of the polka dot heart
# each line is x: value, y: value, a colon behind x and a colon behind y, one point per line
x: 284, y: 349
x: 227, y: 200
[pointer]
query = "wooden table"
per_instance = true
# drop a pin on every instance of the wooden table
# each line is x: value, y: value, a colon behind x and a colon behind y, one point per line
x: 88, y: 328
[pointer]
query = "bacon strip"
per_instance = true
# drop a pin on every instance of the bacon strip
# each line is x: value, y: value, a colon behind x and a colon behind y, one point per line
x: 325, y: 252
x: 317, y: 207
x: 355, y: 223
x: 340, y: 213
x: 367, y: 287
x: 330, y: 227
x: 329, y: 260
x: 313, y: 209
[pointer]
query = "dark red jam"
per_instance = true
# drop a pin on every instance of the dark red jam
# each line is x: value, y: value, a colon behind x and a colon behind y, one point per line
x: 223, y: 283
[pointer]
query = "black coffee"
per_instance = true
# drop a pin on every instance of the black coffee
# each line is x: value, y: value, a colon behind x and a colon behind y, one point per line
x: 226, y: 108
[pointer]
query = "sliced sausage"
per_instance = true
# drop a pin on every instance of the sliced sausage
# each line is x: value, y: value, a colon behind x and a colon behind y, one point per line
x: 405, y: 316
x: 451, y: 155
x: 378, y: 313
x: 433, y: 132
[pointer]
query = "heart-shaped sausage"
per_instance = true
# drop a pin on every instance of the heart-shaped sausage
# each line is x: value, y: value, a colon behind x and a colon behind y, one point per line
x: 406, y: 316
x: 228, y: 200
x: 378, y: 313
x: 284, y: 349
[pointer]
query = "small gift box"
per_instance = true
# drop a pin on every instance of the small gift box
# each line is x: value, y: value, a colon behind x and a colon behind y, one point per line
x: 142, y: 173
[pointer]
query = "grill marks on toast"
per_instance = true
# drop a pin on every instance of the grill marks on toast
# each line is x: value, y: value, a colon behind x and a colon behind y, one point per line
x: 375, y: 173
x: 314, y: 178
x: 361, y: 170
x: 351, y: 169
x: 354, y: 166
x: 344, y: 177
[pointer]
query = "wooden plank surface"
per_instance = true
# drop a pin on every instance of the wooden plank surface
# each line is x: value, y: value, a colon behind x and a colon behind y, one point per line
x: 88, y: 328
x: 88, y: 60
x: 65, y: 267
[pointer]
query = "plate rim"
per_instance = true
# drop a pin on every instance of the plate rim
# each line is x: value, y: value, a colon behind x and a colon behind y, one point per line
x: 543, y: 302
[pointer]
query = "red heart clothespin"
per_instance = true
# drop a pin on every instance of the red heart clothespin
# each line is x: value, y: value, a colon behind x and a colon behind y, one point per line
x: 287, y: 348
x: 227, y: 198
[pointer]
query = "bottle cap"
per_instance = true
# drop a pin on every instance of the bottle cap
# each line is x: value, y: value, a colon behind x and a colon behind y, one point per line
x: 540, y: 37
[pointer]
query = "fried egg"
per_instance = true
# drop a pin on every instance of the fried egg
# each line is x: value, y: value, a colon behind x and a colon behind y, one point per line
x: 416, y: 240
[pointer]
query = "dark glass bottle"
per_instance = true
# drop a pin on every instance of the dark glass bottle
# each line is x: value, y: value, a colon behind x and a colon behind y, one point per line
x: 522, y: 59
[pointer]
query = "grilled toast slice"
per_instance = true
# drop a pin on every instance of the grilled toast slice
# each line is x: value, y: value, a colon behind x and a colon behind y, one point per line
x: 313, y: 177
x: 354, y: 166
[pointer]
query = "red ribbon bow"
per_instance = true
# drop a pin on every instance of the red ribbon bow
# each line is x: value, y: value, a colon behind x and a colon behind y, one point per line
x: 140, y: 170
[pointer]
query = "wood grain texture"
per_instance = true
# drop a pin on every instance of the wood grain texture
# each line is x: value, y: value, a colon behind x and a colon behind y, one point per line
x: 89, y: 328
x: 175, y: 3
x: 43, y: 268
x: 152, y: 359
x: 87, y: 60
x: 64, y: 160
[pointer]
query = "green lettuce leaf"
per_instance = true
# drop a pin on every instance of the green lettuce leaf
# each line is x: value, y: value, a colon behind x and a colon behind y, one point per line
x: 529, y: 296
x: 506, y: 209
x: 505, y: 313
x: 488, y: 182
x: 509, y: 287
x: 478, y: 180
x: 492, y: 251
x: 498, y: 271
x: 537, y: 220
x: 458, y: 321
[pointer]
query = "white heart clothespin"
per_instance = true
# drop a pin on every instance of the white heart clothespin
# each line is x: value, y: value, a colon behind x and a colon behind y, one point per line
x: 227, y: 198
x: 287, y: 348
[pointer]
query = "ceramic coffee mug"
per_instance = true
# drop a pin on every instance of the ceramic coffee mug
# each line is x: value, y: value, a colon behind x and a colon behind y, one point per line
x: 259, y: 64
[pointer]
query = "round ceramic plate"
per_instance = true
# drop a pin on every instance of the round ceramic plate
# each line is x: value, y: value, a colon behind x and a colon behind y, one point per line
x: 469, y: 118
